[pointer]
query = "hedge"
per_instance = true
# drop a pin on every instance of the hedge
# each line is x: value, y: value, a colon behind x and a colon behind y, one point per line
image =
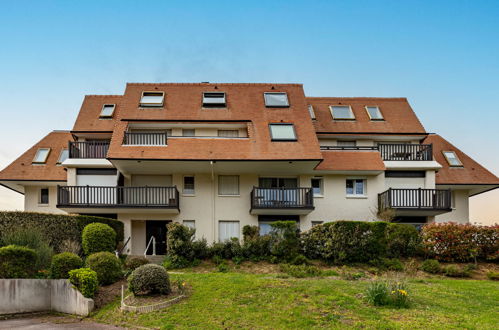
x: 17, y: 262
x: 62, y: 263
x: 56, y: 227
x: 98, y: 237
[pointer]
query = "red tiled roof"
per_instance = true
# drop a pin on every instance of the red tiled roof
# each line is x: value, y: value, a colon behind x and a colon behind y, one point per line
x: 351, y: 161
x: 88, y: 117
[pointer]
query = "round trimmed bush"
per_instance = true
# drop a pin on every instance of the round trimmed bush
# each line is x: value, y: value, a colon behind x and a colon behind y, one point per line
x: 431, y: 266
x: 17, y: 262
x: 98, y: 237
x: 149, y: 279
x: 85, y: 280
x: 62, y: 263
x: 107, y: 267
x: 132, y: 263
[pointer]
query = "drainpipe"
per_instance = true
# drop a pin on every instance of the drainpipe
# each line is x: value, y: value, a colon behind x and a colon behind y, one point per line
x: 212, y: 164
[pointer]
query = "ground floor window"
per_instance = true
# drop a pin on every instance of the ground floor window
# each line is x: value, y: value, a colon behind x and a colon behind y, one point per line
x: 44, y: 196
x: 189, y: 223
x: 228, y: 230
x: 315, y: 223
x: 356, y: 187
x: 265, y: 221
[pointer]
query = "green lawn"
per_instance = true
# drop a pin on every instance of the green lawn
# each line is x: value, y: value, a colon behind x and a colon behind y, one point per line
x: 241, y: 300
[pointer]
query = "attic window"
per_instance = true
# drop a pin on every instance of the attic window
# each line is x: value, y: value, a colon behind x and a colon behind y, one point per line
x: 41, y: 156
x: 213, y: 100
x: 152, y: 99
x: 342, y: 112
x: 107, y: 111
x: 452, y: 159
x: 276, y: 100
x: 374, y: 113
x: 311, y: 112
x: 282, y: 132
x: 63, y: 156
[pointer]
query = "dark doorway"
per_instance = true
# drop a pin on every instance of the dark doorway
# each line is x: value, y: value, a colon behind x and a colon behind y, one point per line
x: 156, y: 228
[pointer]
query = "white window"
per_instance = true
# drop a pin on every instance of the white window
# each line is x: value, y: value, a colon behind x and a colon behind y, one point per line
x: 63, y: 156
x: 356, y: 187
x: 342, y: 112
x: 189, y: 187
x: 347, y: 143
x: 41, y: 156
x: 213, y: 99
x: 282, y: 132
x: 44, y: 196
x: 188, y: 132
x: 228, y: 185
x: 318, y: 222
x: 228, y: 230
x: 189, y: 223
x: 311, y: 111
x: 452, y: 158
x: 107, y: 111
x: 374, y: 113
x: 229, y: 133
x: 317, y: 186
x: 152, y: 99
x: 276, y: 100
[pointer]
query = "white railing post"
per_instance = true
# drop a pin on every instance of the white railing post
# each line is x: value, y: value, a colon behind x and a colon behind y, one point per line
x: 153, y: 246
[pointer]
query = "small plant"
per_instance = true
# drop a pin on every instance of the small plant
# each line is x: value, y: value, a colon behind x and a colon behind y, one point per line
x: 300, y: 271
x: 223, y: 267
x: 454, y: 271
x: 62, y: 263
x: 181, y: 285
x: 149, y: 279
x: 300, y: 259
x: 394, y: 264
x: 381, y: 293
x: 131, y: 263
x: 176, y: 262
x: 85, y: 280
x: 17, y: 261
x: 348, y: 275
x: 107, y: 267
x: 431, y: 266
x: 238, y: 260
x: 217, y: 260
x: 98, y: 237
x: 494, y: 276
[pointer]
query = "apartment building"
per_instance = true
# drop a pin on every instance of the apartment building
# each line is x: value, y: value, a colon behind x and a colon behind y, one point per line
x: 216, y: 157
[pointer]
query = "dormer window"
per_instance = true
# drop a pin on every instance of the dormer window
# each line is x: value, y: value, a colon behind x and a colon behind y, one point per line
x: 63, y: 156
x: 107, y: 111
x: 342, y: 112
x: 374, y: 113
x: 41, y: 156
x: 276, y: 100
x: 282, y: 132
x: 452, y: 159
x: 311, y: 112
x: 152, y: 99
x: 214, y: 100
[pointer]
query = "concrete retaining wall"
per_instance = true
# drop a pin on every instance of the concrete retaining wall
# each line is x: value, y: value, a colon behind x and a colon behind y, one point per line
x: 34, y: 295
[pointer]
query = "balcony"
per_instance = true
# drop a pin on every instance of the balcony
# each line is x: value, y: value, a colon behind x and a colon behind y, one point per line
x: 112, y: 198
x: 88, y: 149
x: 281, y: 201
x: 406, y: 152
x: 144, y: 139
x: 424, y: 202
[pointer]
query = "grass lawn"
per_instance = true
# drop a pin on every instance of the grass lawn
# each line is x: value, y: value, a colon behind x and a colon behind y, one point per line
x: 243, y: 300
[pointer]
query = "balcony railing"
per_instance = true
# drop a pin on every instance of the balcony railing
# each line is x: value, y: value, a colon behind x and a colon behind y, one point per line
x: 406, y: 152
x: 282, y: 198
x: 127, y: 197
x: 144, y: 139
x: 415, y: 199
x: 88, y: 149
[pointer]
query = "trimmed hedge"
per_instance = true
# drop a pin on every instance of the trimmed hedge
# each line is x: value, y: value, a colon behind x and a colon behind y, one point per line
x: 85, y: 280
x: 56, y: 227
x: 149, y: 279
x: 98, y: 237
x: 402, y: 240
x: 62, y: 263
x: 107, y: 267
x: 17, y: 262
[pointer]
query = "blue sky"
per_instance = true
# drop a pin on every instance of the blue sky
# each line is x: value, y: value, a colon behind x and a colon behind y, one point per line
x: 441, y: 55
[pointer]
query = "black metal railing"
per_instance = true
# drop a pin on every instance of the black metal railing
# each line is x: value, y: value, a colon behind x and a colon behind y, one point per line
x: 88, y: 149
x: 421, y: 199
x: 406, y: 152
x: 100, y: 196
x: 144, y: 139
x: 368, y: 148
x: 282, y: 198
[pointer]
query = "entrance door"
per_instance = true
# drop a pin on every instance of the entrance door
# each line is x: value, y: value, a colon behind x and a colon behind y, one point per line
x: 156, y: 228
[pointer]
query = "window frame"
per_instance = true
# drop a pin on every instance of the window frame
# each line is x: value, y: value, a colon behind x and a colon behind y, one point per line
x: 40, y: 196
x: 238, y: 185
x: 444, y: 152
x: 228, y: 130
x: 311, y: 112
x: 379, y: 111
x: 101, y: 116
x: 321, y: 186
x: 354, y: 194
x: 44, y: 161
x: 189, y: 129
x: 272, y: 139
x: 152, y: 105
x: 214, y: 105
x: 184, y: 191
x: 276, y: 106
x: 59, y: 162
x: 189, y: 221
x: 331, y: 110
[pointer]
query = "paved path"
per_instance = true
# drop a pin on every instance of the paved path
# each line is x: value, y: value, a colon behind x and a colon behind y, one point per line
x: 49, y: 322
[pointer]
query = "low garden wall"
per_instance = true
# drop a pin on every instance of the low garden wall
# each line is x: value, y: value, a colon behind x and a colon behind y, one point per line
x: 39, y: 295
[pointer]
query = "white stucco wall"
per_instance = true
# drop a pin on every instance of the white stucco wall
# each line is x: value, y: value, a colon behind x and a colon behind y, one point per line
x: 460, y: 211
x: 32, y: 196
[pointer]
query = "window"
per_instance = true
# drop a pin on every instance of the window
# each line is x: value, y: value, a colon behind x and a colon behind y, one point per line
x: 44, y: 196
x: 107, y: 111
x: 342, y: 112
x: 374, y: 113
x: 317, y: 184
x: 276, y: 100
x: 356, y: 187
x: 189, y: 223
x: 311, y: 112
x: 169, y: 132
x: 63, y: 156
x: 452, y: 158
x: 188, y: 132
x: 152, y: 99
x: 189, y: 185
x: 315, y: 223
x: 228, y: 230
x: 453, y: 200
x: 228, y: 185
x: 229, y: 133
x: 213, y: 99
x: 264, y: 227
x: 282, y: 132
x: 347, y: 143
x: 41, y: 156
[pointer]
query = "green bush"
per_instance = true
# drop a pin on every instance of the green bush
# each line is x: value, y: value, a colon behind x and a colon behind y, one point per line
x: 402, y: 240
x: 107, y: 267
x: 85, y: 280
x: 390, y: 264
x: 494, y: 276
x: 222, y: 267
x: 250, y: 232
x: 149, y: 279
x: 300, y: 271
x: 131, y: 263
x: 17, y: 262
x: 285, y: 240
x: 200, y: 249
x: 176, y: 262
x: 98, y: 237
x: 300, y: 259
x: 34, y: 239
x: 431, y: 266
x: 380, y: 293
x: 257, y: 248
x: 455, y: 271
x: 182, y: 250
x: 62, y: 263
x: 56, y: 228
x: 228, y: 249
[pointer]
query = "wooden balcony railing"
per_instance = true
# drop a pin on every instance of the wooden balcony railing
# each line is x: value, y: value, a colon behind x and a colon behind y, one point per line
x: 126, y: 197
x: 406, y: 152
x: 415, y: 199
x: 88, y: 149
x: 282, y: 198
x: 144, y: 139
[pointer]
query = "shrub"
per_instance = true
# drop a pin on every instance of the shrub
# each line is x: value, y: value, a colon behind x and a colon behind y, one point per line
x: 200, y: 249
x: 98, y: 237
x: 392, y: 264
x: 85, y: 280
x: 176, y: 262
x: 69, y: 245
x: 455, y: 271
x: 250, y: 232
x: 222, y: 267
x: 494, y: 276
x: 300, y: 271
x: 257, y: 248
x: 285, y: 240
x: 227, y: 249
x: 62, y: 263
x: 149, y: 279
x: 107, y: 267
x: 402, y: 240
x: 17, y: 262
x: 131, y: 263
x: 300, y: 259
x: 431, y: 266
x: 380, y: 293
x: 454, y: 242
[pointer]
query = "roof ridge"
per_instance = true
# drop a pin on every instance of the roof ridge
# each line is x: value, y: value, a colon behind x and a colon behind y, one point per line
x: 357, y: 97
x: 213, y: 83
x: 104, y: 95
